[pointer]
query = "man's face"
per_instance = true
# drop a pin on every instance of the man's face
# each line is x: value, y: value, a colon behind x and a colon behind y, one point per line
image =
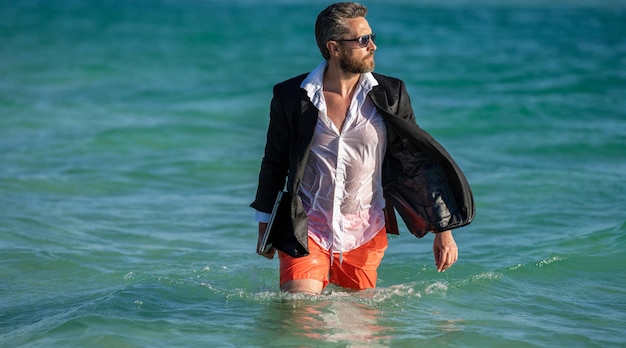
x: 354, y: 58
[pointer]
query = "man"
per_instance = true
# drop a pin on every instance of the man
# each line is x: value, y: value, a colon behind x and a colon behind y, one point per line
x: 346, y: 141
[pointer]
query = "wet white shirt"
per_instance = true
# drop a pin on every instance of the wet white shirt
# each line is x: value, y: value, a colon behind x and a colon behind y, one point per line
x: 342, y: 184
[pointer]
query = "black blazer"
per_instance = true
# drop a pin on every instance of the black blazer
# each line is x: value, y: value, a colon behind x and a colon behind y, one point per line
x: 420, y: 179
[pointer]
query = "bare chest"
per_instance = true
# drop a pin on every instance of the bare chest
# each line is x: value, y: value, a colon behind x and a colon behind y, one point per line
x: 337, y: 108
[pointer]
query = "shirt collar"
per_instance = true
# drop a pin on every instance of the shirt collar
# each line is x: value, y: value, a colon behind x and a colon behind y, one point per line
x: 314, y: 82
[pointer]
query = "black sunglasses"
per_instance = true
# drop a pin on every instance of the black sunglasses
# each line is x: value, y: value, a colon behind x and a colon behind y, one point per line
x: 362, y: 40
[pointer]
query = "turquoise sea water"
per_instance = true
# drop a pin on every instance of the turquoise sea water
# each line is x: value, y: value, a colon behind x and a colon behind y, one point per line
x: 131, y: 133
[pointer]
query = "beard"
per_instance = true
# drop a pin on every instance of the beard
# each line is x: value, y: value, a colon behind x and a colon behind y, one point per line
x: 354, y: 66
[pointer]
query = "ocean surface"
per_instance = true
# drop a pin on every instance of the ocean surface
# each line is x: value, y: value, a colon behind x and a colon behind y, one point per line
x: 131, y: 134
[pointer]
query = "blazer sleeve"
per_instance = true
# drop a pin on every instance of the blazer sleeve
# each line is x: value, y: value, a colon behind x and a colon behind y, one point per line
x: 275, y: 163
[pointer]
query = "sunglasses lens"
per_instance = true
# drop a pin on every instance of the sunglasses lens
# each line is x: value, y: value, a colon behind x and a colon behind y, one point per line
x: 365, y: 40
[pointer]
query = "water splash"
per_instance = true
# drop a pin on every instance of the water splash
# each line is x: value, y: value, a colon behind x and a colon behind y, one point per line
x: 550, y: 260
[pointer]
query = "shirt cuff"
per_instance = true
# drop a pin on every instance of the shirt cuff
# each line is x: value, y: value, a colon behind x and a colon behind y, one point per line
x: 260, y: 216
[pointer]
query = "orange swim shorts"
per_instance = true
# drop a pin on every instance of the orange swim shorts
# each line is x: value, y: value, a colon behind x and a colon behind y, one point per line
x: 356, y: 270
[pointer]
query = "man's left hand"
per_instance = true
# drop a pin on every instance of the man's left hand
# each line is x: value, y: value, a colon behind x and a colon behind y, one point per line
x: 445, y: 250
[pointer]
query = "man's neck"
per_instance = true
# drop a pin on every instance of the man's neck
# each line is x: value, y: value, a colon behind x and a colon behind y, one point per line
x: 338, y: 81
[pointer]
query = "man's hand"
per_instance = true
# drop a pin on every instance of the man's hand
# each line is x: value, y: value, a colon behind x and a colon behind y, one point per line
x: 269, y: 254
x: 445, y: 250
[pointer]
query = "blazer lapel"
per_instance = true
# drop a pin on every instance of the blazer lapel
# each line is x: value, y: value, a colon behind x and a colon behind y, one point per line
x: 306, y: 123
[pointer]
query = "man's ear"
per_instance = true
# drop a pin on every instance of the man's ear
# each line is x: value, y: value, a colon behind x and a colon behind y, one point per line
x: 333, y: 48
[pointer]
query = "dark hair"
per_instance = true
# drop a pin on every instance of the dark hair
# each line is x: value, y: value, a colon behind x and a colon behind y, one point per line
x: 330, y: 23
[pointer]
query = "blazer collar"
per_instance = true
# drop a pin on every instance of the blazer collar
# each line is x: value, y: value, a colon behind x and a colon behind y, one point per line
x: 378, y: 96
